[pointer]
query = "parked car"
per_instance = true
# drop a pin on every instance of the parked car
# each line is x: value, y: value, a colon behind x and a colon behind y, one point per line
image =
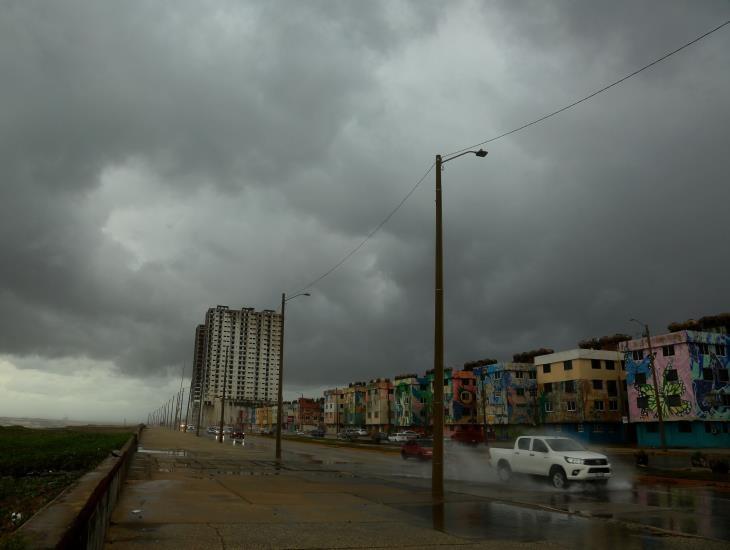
x: 191, y: 427
x: 360, y: 432
x: 379, y: 437
x: 300, y: 432
x: 417, y: 448
x: 560, y: 459
x: 227, y: 430
x: 317, y: 432
x: 212, y: 430
x: 267, y: 431
x: 406, y: 435
x: 468, y: 437
x: 348, y: 435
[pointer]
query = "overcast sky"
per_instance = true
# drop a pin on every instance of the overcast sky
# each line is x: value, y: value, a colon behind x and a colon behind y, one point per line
x: 159, y: 158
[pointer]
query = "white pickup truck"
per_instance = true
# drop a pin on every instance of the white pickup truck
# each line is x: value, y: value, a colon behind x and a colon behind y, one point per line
x: 560, y: 459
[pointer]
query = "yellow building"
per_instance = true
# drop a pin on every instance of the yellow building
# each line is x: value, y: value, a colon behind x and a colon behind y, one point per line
x: 582, y: 393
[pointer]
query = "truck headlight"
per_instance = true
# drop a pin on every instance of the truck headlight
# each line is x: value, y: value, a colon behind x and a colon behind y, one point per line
x: 571, y: 460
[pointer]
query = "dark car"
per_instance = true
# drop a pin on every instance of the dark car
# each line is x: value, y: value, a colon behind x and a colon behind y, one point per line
x: 238, y: 437
x: 379, y: 437
x: 417, y: 448
x: 468, y: 437
x: 317, y: 433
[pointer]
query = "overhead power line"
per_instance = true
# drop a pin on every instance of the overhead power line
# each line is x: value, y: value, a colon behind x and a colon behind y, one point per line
x: 594, y: 94
x: 369, y: 235
x: 500, y: 136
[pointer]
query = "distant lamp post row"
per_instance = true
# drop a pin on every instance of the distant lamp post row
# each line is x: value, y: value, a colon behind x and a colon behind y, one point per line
x: 280, y: 397
x: 437, y: 466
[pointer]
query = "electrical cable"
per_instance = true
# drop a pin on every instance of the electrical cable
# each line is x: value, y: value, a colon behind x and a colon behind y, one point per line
x: 594, y: 94
x: 500, y: 136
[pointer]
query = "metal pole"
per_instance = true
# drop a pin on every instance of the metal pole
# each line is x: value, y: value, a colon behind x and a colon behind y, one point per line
x: 660, y: 414
x: 223, y: 399
x: 280, y: 396
x: 437, y: 466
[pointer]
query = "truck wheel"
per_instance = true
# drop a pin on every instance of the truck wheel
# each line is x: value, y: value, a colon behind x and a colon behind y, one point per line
x: 504, y: 472
x: 558, y: 478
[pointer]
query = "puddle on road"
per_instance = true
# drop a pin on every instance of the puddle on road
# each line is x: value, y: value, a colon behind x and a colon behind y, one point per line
x: 495, y: 521
x: 166, y: 452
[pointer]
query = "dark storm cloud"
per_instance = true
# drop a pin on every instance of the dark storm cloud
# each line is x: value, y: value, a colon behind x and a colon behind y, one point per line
x: 158, y: 159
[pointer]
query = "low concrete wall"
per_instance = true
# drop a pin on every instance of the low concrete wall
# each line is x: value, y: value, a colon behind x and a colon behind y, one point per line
x: 79, y: 517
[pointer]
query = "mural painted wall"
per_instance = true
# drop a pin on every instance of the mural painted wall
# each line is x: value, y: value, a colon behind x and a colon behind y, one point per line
x: 506, y: 393
x: 461, y: 403
x: 354, y: 409
x: 692, y: 377
x: 412, y: 402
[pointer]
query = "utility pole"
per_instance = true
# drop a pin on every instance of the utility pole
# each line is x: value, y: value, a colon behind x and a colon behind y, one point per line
x: 203, y: 376
x: 223, y: 400
x: 437, y: 466
x: 659, y: 397
x: 280, y: 395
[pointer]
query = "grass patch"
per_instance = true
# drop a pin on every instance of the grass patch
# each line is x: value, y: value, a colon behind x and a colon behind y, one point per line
x: 37, y: 465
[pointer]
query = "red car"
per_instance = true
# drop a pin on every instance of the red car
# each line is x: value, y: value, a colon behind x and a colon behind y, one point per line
x: 417, y: 448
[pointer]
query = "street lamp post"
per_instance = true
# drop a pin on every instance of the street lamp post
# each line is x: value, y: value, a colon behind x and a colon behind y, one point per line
x: 657, y: 397
x: 280, y: 396
x: 437, y: 466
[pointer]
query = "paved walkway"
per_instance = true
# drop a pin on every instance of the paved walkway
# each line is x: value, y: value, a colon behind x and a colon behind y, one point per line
x: 188, y: 492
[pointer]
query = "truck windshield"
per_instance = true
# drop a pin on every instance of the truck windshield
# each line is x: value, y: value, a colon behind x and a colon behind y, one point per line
x: 564, y: 444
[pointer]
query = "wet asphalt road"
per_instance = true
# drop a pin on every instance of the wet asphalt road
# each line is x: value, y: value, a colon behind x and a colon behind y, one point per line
x: 609, y: 514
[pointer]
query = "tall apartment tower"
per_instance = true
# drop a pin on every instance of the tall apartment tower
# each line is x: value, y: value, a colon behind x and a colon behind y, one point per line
x: 247, y: 343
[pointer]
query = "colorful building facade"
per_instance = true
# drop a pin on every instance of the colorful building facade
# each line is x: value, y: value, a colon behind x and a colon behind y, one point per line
x: 354, y: 405
x: 581, y: 393
x: 692, y: 388
x: 334, y: 405
x: 506, y: 398
x: 378, y: 404
x: 412, y: 402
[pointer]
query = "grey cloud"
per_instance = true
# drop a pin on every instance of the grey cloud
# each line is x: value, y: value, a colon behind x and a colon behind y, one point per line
x: 268, y: 141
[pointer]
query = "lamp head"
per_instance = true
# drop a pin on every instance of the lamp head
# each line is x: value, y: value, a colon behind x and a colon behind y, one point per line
x: 481, y: 153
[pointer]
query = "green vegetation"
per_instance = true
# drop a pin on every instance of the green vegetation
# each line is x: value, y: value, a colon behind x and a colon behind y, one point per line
x: 36, y: 465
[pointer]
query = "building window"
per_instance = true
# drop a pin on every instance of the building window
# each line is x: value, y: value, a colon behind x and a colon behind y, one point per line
x: 722, y: 375
x: 637, y: 355
x: 548, y: 407
x: 707, y: 374
x: 597, y: 384
x: 548, y: 388
x: 720, y: 349
x: 570, y: 406
x: 597, y: 428
x: 642, y: 402
x: 546, y: 369
x: 519, y: 374
x: 520, y: 392
x: 598, y: 404
x: 725, y: 399
x: 612, y: 405
x: 567, y: 365
x: 497, y: 375
x: 684, y: 427
x: 579, y: 428
x: 640, y: 378
x: 667, y: 351
x: 670, y: 375
x: 674, y: 400
x: 623, y: 365
x: 532, y: 375
x: 595, y: 364
x: 612, y: 387
x: 610, y: 365
x: 570, y: 386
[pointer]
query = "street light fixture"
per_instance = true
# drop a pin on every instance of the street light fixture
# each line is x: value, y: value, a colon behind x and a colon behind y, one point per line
x: 658, y: 397
x: 280, y: 397
x: 437, y: 465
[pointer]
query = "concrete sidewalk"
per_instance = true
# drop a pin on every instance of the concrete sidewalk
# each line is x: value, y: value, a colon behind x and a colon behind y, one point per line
x: 188, y: 492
